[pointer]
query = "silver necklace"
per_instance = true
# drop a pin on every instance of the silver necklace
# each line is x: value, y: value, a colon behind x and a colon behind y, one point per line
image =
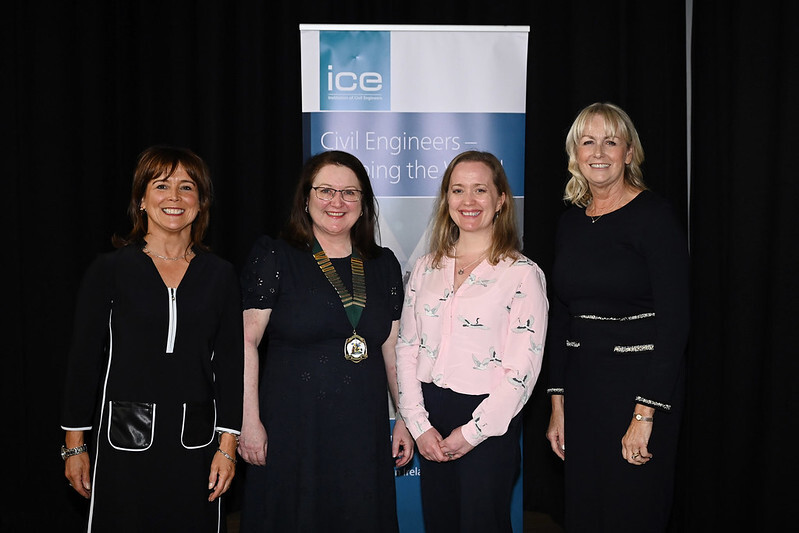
x: 165, y: 258
x: 595, y: 218
x: 463, y: 268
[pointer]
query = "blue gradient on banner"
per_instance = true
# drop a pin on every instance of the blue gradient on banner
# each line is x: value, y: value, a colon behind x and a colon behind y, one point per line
x: 355, y: 70
x: 406, y: 154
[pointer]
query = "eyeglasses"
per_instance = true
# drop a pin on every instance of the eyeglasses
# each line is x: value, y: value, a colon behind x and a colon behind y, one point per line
x: 328, y: 193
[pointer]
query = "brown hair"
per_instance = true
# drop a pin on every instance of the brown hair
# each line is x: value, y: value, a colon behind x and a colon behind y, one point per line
x: 299, y: 229
x: 163, y: 161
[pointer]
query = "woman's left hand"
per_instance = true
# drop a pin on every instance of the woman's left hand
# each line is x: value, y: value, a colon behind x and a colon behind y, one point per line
x: 635, y: 443
x: 455, y: 445
x: 222, y: 468
x: 401, y: 443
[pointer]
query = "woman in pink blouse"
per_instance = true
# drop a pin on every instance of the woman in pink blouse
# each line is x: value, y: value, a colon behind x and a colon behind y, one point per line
x: 469, y: 350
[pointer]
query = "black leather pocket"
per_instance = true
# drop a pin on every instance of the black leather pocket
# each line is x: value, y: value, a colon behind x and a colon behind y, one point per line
x: 131, y: 425
x: 199, y: 424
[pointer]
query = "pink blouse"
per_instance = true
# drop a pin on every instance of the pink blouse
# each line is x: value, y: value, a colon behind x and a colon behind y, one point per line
x: 485, y: 338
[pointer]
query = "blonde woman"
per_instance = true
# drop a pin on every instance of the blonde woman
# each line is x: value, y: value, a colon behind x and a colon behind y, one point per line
x: 469, y: 351
x: 618, y: 333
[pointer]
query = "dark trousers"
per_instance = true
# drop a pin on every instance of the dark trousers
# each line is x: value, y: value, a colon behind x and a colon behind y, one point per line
x: 473, y: 493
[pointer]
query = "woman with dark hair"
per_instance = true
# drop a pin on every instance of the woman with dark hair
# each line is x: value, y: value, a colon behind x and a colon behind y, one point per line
x: 619, y: 328
x: 323, y: 304
x: 156, y: 364
x: 470, y: 348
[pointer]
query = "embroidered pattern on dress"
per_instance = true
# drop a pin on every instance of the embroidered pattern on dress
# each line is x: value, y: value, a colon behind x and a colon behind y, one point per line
x: 555, y: 390
x: 652, y: 403
x: 634, y: 348
x: 572, y: 344
x: 616, y: 318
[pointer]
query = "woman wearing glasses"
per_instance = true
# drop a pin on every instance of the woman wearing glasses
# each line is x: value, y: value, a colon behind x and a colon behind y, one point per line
x: 323, y: 304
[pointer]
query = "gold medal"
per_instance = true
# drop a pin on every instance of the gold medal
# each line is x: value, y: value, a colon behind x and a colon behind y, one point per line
x: 355, y: 348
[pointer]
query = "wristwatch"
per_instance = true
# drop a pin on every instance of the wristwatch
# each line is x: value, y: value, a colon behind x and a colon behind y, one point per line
x: 642, y: 418
x: 69, y: 452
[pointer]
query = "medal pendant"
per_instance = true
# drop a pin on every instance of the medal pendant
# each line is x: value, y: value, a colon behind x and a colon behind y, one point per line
x: 355, y: 348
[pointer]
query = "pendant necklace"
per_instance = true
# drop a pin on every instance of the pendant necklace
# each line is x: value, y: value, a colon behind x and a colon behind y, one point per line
x: 355, y: 345
x: 595, y: 218
x: 463, y: 268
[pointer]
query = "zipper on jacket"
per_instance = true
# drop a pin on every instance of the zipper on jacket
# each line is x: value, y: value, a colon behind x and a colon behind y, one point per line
x: 173, y: 320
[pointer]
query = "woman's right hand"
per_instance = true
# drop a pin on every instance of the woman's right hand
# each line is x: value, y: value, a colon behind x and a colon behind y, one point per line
x: 253, y: 442
x: 429, y: 445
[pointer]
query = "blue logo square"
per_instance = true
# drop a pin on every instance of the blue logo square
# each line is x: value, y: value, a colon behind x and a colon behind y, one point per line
x: 355, y: 70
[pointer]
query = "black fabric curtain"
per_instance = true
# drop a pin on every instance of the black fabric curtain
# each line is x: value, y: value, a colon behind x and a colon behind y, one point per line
x: 88, y: 85
x: 742, y: 397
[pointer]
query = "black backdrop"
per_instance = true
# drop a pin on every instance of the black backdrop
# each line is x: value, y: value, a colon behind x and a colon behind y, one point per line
x: 89, y: 85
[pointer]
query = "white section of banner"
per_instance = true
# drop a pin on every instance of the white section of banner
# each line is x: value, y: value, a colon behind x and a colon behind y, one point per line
x: 447, y: 72
x: 458, y: 69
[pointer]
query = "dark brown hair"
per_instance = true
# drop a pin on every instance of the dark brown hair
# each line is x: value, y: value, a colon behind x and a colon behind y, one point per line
x: 162, y: 162
x: 299, y: 229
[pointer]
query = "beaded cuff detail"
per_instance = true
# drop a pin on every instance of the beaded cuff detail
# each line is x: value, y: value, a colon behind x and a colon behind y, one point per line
x: 616, y: 318
x: 653, y: 403
x: 634, y: 348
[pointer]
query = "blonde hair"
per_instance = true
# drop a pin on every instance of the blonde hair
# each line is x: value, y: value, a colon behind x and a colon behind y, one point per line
x: 445, y: 233
x: 617, y: 124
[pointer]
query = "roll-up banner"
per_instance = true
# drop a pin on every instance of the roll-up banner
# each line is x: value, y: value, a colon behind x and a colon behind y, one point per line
x: 405, y: 100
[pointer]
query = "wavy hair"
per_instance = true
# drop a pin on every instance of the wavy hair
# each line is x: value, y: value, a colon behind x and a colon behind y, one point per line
x: 617, y: 124
x: 445, y: 233
x: 162, y: 161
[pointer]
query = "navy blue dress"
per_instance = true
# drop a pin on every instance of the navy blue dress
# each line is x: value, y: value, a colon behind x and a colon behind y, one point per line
x: 617, y: 335
x: 329, y: 465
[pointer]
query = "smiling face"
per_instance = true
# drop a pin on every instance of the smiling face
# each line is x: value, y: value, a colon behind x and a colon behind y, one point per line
x: 333, y: 219
x: 472, y: 197
x: 600, y: 156
x: 171, y: 203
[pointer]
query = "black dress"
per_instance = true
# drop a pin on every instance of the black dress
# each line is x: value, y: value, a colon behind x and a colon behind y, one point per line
x: 328, y: 464
x: 155, y: 372
x: 618, y: 332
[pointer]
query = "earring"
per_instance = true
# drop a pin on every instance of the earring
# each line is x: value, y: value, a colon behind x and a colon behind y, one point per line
x: 496, y: 216
x: 306, y: 208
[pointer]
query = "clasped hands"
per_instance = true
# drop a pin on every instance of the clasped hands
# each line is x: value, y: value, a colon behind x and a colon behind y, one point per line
x: 434, y: 447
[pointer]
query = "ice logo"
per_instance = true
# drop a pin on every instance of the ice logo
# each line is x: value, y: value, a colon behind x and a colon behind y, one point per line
x: 355, y: 70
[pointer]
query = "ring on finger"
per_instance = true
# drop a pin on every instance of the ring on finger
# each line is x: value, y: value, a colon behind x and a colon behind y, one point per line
x: 636, y: 455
